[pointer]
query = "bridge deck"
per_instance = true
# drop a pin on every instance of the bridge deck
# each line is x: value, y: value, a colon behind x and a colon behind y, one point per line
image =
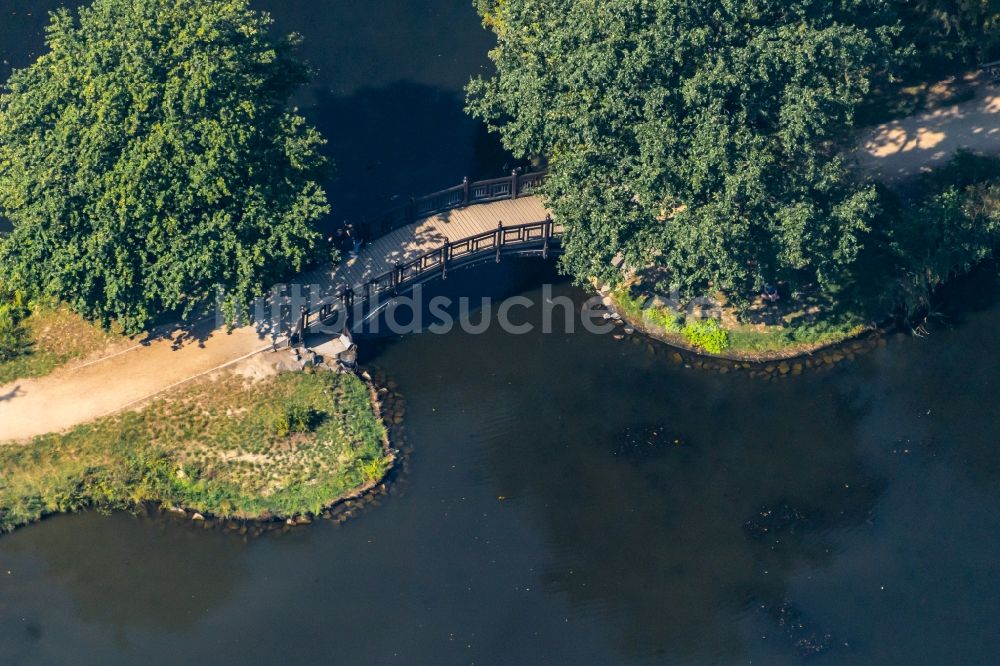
x: 380, y: 255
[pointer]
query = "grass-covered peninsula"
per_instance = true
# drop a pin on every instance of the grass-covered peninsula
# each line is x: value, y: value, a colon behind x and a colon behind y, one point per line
x: 283, y: 446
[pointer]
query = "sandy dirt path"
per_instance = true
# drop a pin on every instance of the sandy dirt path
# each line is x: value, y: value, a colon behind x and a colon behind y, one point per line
x: 74, y: 395
x: 904, y: 148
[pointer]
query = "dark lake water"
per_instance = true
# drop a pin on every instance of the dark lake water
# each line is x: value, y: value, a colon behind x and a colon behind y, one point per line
x: 549, y: 514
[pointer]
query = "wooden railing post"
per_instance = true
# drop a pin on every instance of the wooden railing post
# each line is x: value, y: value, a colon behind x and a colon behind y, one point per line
x: 397, y: 277
x: 303, y: 316
x: 547, y: 231
x: 465, y: 191
x: 445, y: 251
x: 513, y: 184
x: 347, y: 300
x: 372, y: 296
x: 499, y: 239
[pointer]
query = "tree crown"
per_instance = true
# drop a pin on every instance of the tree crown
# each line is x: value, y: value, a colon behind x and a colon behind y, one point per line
x: 150, y: 156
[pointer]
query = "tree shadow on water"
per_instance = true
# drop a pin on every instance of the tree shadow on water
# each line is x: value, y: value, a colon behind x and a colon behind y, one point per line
x: 401, y: 141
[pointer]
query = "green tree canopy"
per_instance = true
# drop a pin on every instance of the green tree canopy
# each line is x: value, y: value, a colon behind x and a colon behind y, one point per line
x: 150, y: 155
x: 949, y: 228
x: 703, y: 136
x: 950, y: 33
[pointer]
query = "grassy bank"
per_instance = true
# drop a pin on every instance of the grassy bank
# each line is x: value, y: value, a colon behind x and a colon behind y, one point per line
x: 283, y: 446
x: 800, y: 330
x: 53, y: 335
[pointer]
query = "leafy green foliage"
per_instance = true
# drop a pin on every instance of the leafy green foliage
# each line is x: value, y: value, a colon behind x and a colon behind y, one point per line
x: 799, y: 337
x: 950, y: 33
x: 15, y: 340
x: 668, y: 320
x: 951, y: 227
x: 707, y: 334
x: 703, y: 137
x: 295, y: 419
x: 632, y: 304
x: 373, y: 470
x: 150, y: 156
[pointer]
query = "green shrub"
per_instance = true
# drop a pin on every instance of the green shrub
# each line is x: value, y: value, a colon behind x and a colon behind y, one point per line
x: 294, y: 418
x: 281, y: 426
x: 953, y: 226
x: 667, y: 319
x: 707, y: 334
x: 301, y: 418
x: 632, y: 305
x: 374, y: 469
x: 14, y: 338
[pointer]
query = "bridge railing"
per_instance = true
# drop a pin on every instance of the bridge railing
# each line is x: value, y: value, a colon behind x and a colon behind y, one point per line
x: 992, y: 70
x: 541, y: 237
x: 515, y: 185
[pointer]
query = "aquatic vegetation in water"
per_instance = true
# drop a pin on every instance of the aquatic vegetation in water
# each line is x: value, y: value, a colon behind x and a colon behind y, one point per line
x: 782, y: 518
x: 808, y: 638
x: 641, y: 443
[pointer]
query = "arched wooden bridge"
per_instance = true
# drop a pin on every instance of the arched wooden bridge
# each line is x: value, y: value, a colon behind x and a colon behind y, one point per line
x: 427, y: 238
